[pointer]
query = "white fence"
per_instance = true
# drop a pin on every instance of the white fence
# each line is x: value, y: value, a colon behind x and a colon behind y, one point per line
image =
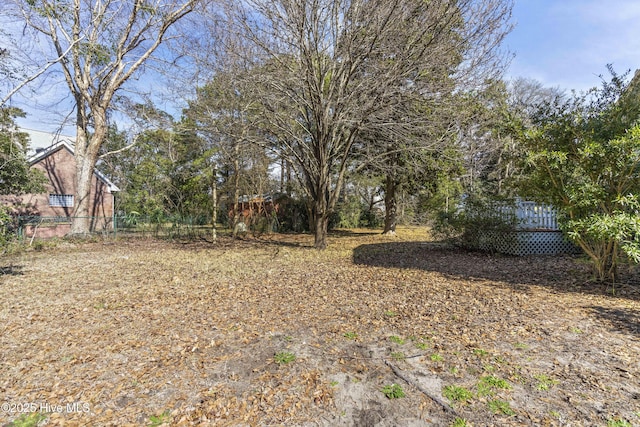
x: 536, y: 231
x: 531, y: 215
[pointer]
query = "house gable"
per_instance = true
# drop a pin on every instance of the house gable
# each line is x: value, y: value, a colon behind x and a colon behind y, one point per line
x: 62, y: 153
x: 57, y: 202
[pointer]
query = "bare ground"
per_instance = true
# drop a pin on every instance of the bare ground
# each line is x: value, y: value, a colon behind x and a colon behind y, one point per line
x: 149, y: 332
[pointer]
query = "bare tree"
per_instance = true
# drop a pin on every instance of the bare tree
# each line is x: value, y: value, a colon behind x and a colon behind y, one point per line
x: 100, y: 45
x: 490, y: 129
x: 324, y: 71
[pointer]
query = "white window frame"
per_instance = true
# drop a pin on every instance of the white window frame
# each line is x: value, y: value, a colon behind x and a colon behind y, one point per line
x: 61, y: 200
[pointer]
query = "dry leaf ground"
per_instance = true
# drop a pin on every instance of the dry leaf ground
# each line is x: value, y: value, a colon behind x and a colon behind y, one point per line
x: 148, y: 333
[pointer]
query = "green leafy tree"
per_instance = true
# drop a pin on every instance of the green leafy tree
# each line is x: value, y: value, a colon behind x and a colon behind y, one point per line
x: 410, y: 163
x: 583, y: 157
x: 163, y: 173
x: 224, y: 118
x: 16, y: 177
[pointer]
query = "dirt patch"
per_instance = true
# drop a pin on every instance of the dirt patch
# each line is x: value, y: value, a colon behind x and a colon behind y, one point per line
x: 150, y: 332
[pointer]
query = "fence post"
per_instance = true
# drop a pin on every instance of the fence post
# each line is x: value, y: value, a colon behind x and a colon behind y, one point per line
x: 20, y: 228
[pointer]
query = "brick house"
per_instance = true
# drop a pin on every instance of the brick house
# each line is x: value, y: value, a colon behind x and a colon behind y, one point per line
x: 50, y: 212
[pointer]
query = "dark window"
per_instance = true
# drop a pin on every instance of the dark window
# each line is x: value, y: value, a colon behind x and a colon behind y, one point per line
x: 61, y: 200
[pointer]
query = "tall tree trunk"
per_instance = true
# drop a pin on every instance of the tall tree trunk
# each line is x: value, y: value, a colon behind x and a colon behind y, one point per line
x: 86, y: 155
x: 282, y: 173
x: 214, y: 202
x: 81, y: 221
x: 320, y: 224
x: 320, y: 235
x: 311, y: 216
x: 321, y: 214
x: 390, y: 206
x: 236, y: 188
x: 288, y: 178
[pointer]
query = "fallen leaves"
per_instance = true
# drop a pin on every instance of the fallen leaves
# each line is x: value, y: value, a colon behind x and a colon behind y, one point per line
x: 137, y: 329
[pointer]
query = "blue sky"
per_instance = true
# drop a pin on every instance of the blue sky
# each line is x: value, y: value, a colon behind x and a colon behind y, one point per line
x: 563, y: 43
x: 568, y: 43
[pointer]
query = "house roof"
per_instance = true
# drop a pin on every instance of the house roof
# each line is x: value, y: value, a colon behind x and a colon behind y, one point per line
x: 59, y: 145
x: 40, y: 139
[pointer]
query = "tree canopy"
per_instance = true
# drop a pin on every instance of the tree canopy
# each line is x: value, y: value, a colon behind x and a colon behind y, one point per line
x: 324, y: 72
x: 16, y: 175
x: 583, y: 157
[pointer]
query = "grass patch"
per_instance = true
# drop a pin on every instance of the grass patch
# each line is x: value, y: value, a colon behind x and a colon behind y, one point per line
x: 459, y: 422
x: 284, y: 357
x: 350, y: 335
x: 398, y: 355
x: 158, y: 420
x: 490, y: 384
x: 501, y: 407
x: 480, y: 352
x: 456, y: 393
x: 500, y: 360
x: 396, y: 340
x: 618, y: 422
x: 435, y: 357
x: 489, y: 368
x: 28, y: 420
x: 545, y: 382
x: 420, y: 343
x: 393, y: 391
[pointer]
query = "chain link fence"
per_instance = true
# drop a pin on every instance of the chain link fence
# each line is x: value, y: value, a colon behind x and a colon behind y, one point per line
x: 171, y: 226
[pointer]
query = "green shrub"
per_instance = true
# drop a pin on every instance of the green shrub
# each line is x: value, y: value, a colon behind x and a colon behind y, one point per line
x: 581, y: 155
x: 478, y: 223
x: 8, y: 227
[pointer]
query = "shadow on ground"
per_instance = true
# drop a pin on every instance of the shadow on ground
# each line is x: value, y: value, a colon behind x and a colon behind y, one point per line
x: 561, y: 273
x: 623, y: 319
x: 11, y: 270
